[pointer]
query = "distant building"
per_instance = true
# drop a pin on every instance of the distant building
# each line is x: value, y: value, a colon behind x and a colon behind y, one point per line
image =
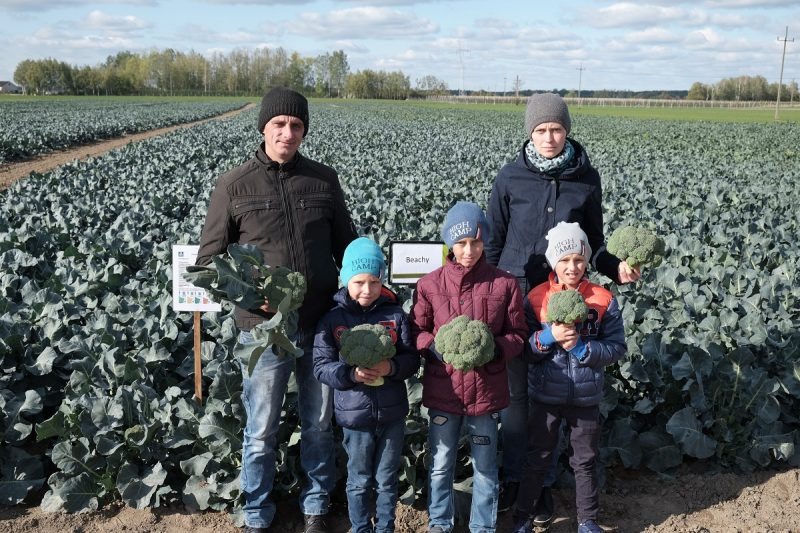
x: 10, y: 87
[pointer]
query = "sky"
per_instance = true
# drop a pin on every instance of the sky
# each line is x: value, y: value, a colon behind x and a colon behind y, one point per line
x: 489, y: 45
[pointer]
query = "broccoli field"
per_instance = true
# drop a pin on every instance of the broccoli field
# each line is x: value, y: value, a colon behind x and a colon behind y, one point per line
x: 96, y: 372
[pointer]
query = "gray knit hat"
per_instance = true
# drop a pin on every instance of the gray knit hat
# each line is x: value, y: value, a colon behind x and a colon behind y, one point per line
x: 546, y: 107
x: 283, y: 101
x: 564, y: 239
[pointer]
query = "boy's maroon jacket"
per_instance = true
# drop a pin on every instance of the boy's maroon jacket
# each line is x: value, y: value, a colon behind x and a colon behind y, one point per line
x: 484, y: 293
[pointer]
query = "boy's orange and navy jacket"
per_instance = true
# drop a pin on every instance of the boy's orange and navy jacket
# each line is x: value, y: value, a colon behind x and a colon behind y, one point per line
x: 560, y: 377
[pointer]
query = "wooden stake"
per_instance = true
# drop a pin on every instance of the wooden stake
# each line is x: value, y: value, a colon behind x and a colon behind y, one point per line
x: 198, y: 366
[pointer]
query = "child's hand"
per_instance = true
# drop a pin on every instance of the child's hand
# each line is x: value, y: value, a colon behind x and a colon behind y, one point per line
x: 628, y: 274
x: 368, y: 375
x: 565, y: 334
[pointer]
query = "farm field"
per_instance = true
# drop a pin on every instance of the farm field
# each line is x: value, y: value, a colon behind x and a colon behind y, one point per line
x: 30, y: 126
x: 96, y: 369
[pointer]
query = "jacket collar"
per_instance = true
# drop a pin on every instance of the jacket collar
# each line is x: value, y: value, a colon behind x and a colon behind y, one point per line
x: 580, y: 163
x: 557, y: 286
x: 456, y: 271
x: 263, y: 158
x: 343, y: 300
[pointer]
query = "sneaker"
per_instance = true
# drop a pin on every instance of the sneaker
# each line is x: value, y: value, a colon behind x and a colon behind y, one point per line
x: 436, y: 529
x: 508, y: 495
x: 543, y: 513
x: 251, y: 529
x: 316, y: 524
x: 590, y: 526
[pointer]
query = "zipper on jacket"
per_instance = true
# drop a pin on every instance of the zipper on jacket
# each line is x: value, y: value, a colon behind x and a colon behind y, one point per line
x: 289, y: 216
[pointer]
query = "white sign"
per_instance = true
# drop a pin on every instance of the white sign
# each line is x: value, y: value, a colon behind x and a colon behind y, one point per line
x: 185, y: 296
x: 410, y: 260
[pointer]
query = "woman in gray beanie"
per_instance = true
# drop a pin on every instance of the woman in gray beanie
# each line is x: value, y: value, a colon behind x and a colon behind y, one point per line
x: 550, y: 181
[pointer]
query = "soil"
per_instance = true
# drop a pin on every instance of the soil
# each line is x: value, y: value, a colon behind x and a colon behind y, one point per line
x: 767, y: 502
x: 689, y: 502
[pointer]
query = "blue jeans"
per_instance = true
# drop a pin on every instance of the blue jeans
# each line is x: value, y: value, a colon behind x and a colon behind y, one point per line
x: 373, y: 461
x: 263, y: 396
x: 444, y: 431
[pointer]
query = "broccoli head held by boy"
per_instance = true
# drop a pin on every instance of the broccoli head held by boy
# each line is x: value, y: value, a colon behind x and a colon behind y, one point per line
x: 566, y: 307
x: 465, y: 343
x: 366, y: 345
x: 636, y: 246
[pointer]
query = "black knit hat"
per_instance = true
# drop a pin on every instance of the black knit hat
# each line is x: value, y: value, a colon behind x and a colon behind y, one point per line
x: 283, y: 101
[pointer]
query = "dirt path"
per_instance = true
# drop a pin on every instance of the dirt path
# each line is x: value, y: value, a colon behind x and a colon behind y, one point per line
x: 11, y: 172
x: 631, y: 502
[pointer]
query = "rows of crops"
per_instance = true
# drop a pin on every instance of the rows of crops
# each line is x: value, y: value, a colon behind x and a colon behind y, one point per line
x: 30, y: 127
x: 96, y: 369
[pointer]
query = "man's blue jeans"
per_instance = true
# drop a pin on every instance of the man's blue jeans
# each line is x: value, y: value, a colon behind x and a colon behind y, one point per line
x: 263, y: 396
x: 373, y: 461
x: 444, y: 431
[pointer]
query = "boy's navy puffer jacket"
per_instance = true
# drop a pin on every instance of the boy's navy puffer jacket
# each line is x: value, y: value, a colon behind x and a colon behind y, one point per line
x: 357, y: 405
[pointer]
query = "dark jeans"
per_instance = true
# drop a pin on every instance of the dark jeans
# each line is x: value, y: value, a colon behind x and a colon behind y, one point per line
x: 544, y: 423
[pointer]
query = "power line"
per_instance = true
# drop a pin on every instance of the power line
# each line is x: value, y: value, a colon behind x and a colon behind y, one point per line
x: 783, y: 59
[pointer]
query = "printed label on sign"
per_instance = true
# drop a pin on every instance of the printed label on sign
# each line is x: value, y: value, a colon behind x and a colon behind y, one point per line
x: 185, y: 296
x: 410, y: 260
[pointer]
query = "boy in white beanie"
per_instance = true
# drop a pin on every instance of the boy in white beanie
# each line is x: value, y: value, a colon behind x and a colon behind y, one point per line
x: 565, y: 376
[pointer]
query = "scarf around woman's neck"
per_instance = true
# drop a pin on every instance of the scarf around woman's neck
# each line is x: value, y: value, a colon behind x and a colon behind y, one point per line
x: 553, y: 166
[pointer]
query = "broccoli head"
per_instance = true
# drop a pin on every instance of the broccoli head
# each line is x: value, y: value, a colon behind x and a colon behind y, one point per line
x: 366, y: 345
x: 465, y: 343
x: 566, y: 307
x: 279, y: 282
x: 636, y: 246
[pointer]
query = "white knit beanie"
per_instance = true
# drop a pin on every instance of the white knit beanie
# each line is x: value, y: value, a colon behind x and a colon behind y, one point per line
x: 564, y: 239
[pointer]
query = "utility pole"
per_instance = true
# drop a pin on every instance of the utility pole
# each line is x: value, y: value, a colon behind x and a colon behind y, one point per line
x: 783, y: 59
x: 504, y: 85
x: 580, y: 75
x: 517, y: 85
x: 461, y: 61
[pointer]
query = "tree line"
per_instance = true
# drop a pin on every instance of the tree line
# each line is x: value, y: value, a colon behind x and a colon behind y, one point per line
x: 238, y: 73
x: 743, y: 88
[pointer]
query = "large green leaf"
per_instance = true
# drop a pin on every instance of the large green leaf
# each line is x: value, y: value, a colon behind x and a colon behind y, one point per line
x: 686, y: 429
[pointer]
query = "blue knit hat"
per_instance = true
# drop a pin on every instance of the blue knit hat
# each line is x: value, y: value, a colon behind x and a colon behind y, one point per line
x: 362, y: 256
x: 465, y: 219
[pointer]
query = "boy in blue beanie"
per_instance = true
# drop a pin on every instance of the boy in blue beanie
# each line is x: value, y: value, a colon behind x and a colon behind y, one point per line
x: 372, y: 417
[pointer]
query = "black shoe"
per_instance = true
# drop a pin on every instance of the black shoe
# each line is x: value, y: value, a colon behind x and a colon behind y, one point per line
x: 317, y: 524
x: 543, y: 513
x: 508, y: 496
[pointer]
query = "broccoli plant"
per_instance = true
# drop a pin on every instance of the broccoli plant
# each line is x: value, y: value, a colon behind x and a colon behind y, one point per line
x: 636, y: 246
x: 566, y: 307
x: 366, y: 345
x: 242, y: 278
x: 465, y: 343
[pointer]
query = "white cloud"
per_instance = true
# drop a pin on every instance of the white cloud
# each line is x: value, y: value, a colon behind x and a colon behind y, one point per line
x: 53, y: 38
x: 652, y: 36
x: 750, y: 3
x: 33, y: 5
x: 364, y: 22
x: 99, y: 21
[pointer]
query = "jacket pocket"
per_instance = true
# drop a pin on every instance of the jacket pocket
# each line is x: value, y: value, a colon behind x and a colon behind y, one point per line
x: 315, y: 201
x: 243, y: 205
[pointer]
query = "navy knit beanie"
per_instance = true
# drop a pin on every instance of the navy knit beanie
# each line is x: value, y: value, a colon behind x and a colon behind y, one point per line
x: 362, y: 256
x: 283, y: 101
x: 465, y: 219
x: 546, y: 107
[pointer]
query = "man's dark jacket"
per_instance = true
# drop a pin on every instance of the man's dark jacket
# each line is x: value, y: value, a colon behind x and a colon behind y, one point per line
x: 295, y: 213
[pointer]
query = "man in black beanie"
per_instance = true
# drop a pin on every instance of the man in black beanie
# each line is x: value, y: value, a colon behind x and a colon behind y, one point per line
x: 293, y: 209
